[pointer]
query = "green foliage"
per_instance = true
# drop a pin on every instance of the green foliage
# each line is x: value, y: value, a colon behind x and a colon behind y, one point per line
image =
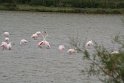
x: 107, y: 66
x: 72, y: 3
x: 9, y: 4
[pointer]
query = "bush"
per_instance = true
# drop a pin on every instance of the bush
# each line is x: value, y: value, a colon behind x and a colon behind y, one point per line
x: 108, y: 66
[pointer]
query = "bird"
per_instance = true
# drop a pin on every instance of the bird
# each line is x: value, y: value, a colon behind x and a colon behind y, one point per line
x: 34, y: 36
x: 3, y: 45
x: 6, y: 40
x: 38, y: 33
x: 6, y: 45
x: 115, y: 52
x: 9, y: 46
x: 43, y: 43
x: 61, y: 47
x: 23, y: 42
x: 44, y: 34
x: 6, y: 34
x: 71, y: 50
x: 89, y: 44
x: 47, y: 44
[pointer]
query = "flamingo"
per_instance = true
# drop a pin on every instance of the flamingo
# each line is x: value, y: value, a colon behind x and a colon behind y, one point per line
x: 9, y: 46
x: 61, y: 47
x: 3, y: 45
x: 71, y: 50
x: 89, y: 43
x: 6, y: 40
x: 47, y: 44
x: 38, y: 33
x: 44, y: 43
x: 6, y: 34
x: 34, y: 36
x: 23, y: 41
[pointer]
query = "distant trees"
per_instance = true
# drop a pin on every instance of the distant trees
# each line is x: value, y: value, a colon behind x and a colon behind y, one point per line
x: 72, y: 3
x: 11, y: 4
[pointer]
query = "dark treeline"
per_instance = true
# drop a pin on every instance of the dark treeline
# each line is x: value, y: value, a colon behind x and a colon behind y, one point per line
x: 71, y: 3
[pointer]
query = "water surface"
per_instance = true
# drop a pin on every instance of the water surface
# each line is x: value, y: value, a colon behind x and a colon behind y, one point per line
x: 30, y: 64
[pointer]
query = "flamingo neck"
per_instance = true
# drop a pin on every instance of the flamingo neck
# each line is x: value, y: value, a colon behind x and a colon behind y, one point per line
x: 44, y: 38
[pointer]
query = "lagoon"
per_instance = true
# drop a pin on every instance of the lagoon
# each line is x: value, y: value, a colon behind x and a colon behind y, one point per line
x: 30, y: 64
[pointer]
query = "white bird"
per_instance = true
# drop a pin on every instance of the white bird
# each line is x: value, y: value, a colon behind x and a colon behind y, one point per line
x: 71, y: 51
x: 34, y: 36
x: 89, y: 44
x: 115, y: 52
x: 23, y: 42
x: 61, y: 47
x: 6, y: 34
x: 44, y: 42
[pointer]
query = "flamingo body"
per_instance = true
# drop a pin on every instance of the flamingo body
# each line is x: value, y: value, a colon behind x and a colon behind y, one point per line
x: 61, y: 47
x: 34, y: 36
x: 71, y: 51
x: 6, y: 34
x: 23, y: 42
x: 44, y: 43
x: 3, y: 45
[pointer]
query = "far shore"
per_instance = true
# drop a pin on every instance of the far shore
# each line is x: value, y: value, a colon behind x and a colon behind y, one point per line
x: 63, y: 9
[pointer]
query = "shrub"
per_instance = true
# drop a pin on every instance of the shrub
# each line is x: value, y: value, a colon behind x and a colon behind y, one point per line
x: 108, y: 66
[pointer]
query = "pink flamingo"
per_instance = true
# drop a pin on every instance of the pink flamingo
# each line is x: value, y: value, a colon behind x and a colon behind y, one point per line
x: 6, y: 34
x: 6, y: 46
x: 61, y: 47
x: 44, y: 43
x: 34, y: 36
x: 3, y: 45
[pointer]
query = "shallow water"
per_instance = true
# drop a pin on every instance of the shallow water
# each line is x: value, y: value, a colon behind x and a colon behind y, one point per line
x: 30, y: 64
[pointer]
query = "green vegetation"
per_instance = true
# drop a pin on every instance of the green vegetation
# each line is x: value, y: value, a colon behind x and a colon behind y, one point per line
x: 103, y: 63
x: 77, y: 6
x: 62, y: 9
x: 71, y: 3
